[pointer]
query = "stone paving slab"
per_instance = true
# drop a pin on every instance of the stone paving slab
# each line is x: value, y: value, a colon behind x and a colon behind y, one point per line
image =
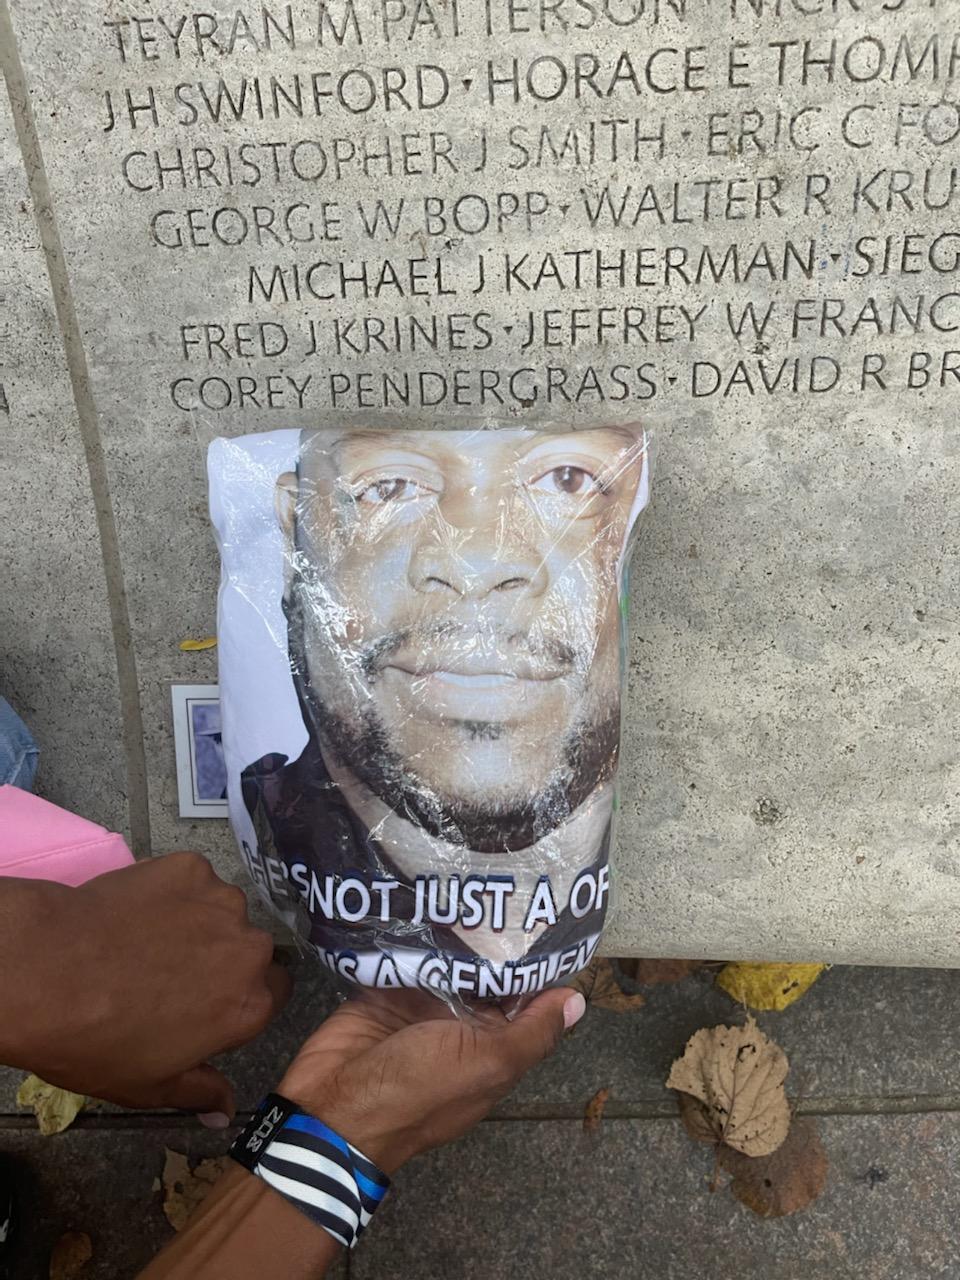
x: 56, y: 647
x: 541, y: 1198
x: 99, y: 1181
x: 523, y: 1199
x: 858, y: 1033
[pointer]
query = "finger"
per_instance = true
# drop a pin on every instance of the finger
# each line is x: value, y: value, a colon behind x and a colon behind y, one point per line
x: 538, y: 1028
x: 203, y: 1089
x: 486, y: 1015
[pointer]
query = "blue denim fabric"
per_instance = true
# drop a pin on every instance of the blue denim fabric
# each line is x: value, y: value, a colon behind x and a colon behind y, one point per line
x: 18, y: 751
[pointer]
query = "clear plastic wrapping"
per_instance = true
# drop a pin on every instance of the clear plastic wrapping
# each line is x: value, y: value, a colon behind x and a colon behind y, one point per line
x: 421, y: 664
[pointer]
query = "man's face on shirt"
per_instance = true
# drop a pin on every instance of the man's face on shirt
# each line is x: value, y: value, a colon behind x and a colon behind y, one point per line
x: 454, y: 617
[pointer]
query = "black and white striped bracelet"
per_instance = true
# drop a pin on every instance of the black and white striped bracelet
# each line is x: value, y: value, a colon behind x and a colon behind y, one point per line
x: 300, y: 1157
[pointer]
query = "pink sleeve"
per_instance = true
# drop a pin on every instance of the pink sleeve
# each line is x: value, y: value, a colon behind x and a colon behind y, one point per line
x: 39, y: 841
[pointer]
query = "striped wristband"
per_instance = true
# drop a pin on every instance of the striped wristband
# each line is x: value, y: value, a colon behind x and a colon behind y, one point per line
x: 329, y: 1180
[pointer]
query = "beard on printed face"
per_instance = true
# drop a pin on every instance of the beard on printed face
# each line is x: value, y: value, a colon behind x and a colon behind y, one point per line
x: 487, y: 738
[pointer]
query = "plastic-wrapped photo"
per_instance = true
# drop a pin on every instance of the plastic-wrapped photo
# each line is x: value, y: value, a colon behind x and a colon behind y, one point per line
x: 451, y: 627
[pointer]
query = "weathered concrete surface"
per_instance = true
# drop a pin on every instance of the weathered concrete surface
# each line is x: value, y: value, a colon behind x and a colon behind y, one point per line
x: 632, y: 1203
x: 790, y: 772
x: 519, y: 1198
x: 522, y: 1198
x: 57, y: 664
x: 103, y: 1182
x: 540, y: 1197
x: 860, y: 1039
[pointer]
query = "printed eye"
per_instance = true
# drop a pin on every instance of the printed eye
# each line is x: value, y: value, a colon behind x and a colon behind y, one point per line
x: 390, y: 489
x: 568, y: 481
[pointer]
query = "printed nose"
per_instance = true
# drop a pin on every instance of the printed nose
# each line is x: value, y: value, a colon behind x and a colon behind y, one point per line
x: 475, y: 564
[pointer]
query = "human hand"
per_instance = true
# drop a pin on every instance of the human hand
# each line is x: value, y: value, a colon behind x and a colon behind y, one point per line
x: 131, y: 981
x: 396, y: 1073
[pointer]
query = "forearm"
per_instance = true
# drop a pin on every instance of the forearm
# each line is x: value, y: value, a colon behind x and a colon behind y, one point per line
x: 245, y: 1231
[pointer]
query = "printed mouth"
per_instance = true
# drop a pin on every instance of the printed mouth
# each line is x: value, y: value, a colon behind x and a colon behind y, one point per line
x: 474, y: 680
x: 476, y: 672
x: 446, y: 693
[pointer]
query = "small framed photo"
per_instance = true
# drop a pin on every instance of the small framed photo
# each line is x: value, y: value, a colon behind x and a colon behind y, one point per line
x: 201, y: 768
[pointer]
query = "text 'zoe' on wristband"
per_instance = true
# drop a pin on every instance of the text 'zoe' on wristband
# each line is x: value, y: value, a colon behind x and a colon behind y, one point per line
x: 300, y: 1157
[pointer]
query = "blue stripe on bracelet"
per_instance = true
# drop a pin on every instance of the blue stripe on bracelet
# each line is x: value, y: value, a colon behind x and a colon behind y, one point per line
x: 369, y: 1169
x: 313, y: 1167
x: 323, y: 1211
x: 311, y: 1145
x: 307, y: 1124
x: 375, y: 1189
x: 369, y: 1188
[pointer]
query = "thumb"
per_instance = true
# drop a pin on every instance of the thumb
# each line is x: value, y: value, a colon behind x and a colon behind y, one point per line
x: 203, y: 1089
x: 537, y: 1029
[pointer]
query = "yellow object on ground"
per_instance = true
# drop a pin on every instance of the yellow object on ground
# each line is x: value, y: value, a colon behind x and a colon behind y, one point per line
x: 56, y: 1109
x: 768, y: 986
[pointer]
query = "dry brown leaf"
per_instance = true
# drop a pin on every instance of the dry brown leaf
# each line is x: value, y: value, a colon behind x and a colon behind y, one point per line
x: 185, y: 1189
x: 599, y: 986
x: 738, y: 1073
x: 650, y: 972
x: 55, y: 1109
x: 785, y: 1182
x: 70, y: 1255
x: 607, y: 992
x: 593, y: 1113
x: 696, y: 1119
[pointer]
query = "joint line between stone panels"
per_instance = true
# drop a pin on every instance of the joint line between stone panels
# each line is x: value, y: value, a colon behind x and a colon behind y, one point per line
x: 128, y: 685
x: 907, y: 1104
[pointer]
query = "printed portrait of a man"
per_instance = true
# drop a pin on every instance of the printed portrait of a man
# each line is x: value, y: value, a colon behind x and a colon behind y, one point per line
x: 453, y: 614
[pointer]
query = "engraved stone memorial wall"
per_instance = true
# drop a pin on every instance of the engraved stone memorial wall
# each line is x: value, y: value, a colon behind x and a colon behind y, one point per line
x: 735, y: 220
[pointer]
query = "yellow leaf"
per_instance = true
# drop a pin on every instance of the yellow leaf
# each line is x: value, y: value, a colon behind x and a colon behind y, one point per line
x: 768, y: 986
x: 56, y: 1109
x: 193, y: 646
